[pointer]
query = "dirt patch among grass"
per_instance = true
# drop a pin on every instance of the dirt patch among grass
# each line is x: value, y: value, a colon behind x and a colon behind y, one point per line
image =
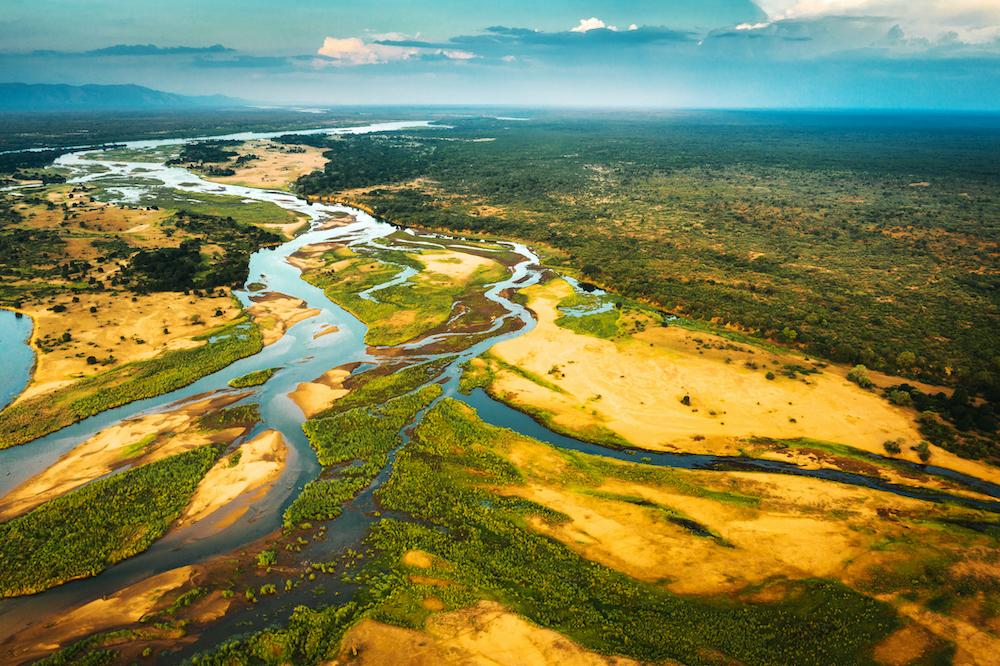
x: 484, y: 634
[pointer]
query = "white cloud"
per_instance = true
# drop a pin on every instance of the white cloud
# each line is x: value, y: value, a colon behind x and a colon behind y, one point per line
x: 452, y: 54
x: 349, y: 51
x: 356, y: 51
x: 592, y: 23
x: 973, y: 21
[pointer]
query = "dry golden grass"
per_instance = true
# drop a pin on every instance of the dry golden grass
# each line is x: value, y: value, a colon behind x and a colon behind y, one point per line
x: 275, y: 168
x: 128, y: 328
x: 485, y: 634
x: 634, y: 386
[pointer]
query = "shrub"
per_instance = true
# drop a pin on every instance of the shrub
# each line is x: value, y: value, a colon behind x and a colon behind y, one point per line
x: 859, y: 375
x: 892, y: 446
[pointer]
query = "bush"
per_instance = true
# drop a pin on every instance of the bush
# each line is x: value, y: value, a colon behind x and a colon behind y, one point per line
x: 859, y: 375
x: 892, y: 446
x: 901, y: 398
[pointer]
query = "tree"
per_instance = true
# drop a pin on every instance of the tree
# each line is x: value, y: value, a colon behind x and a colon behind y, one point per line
x: 892, y: 446
x: 905, y: 360
x: 901, y: 398
x: 923, y: 451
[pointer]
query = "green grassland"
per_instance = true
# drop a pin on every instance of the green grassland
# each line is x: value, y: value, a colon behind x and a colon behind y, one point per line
x: 354, y: 445
x: 81, y: 533
x: 402, y: 312
x: 166, y: 372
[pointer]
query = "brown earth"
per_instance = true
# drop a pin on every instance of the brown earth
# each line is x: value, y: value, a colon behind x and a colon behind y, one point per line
x: 485, y: 634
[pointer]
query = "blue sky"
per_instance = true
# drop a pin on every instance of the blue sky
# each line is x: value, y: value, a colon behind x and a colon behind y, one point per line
x: 935, y: 54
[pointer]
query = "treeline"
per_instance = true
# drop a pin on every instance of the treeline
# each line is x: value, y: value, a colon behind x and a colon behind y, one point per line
x: 205, y: 151
x: 358, y: 161
x: 36, y: 159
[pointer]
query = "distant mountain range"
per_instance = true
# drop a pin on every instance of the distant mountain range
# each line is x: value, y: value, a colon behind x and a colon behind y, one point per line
x: 59, y: 97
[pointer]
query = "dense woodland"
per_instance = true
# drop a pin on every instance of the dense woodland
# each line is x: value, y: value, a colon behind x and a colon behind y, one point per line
x: 866, y: 240
x: 187, y: 266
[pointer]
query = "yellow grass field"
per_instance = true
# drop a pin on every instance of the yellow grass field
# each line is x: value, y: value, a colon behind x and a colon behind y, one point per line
x: 634, y: 386
x: 123, y: 327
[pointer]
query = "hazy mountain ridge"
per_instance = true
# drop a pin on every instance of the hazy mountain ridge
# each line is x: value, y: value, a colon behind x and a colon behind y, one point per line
x: 62, y: 97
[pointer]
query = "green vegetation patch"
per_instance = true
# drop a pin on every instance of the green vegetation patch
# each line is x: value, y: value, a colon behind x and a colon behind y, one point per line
x: 442, y: 478
x: 255, y: 378
x: 358, y: 441
x: 81, y: 533
x: 169, y: 371
x: 365, y: 433
x: 373, y: 389
x: 600, y: 325
x: 402, y: 312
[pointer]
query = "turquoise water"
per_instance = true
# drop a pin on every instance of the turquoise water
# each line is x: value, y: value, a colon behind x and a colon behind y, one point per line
x: 16, y: 357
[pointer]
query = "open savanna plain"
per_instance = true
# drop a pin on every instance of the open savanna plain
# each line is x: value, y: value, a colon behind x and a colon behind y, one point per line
x: 731, y: 402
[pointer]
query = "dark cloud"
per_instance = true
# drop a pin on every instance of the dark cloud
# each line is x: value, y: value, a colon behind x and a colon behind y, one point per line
x: 137, y: 50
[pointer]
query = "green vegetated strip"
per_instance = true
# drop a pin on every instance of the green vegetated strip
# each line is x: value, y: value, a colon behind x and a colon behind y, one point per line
x: 600, y: 325
x: 444, y: 479
x: 171, y: 370
x: 399, y: 313
x: 359, y: 440
x: 255, y: 378
x: 83, y: 532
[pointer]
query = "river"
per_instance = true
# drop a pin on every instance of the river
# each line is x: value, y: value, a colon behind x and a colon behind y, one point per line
x: 303, y: 356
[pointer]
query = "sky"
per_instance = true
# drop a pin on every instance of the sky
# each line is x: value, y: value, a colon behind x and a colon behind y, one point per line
x: 879, y: 54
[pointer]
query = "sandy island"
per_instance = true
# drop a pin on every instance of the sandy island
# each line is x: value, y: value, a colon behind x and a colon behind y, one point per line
x: 253, y: 468
x: 134, y: 442
x: 315, y: 396
x: 276, y: 313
